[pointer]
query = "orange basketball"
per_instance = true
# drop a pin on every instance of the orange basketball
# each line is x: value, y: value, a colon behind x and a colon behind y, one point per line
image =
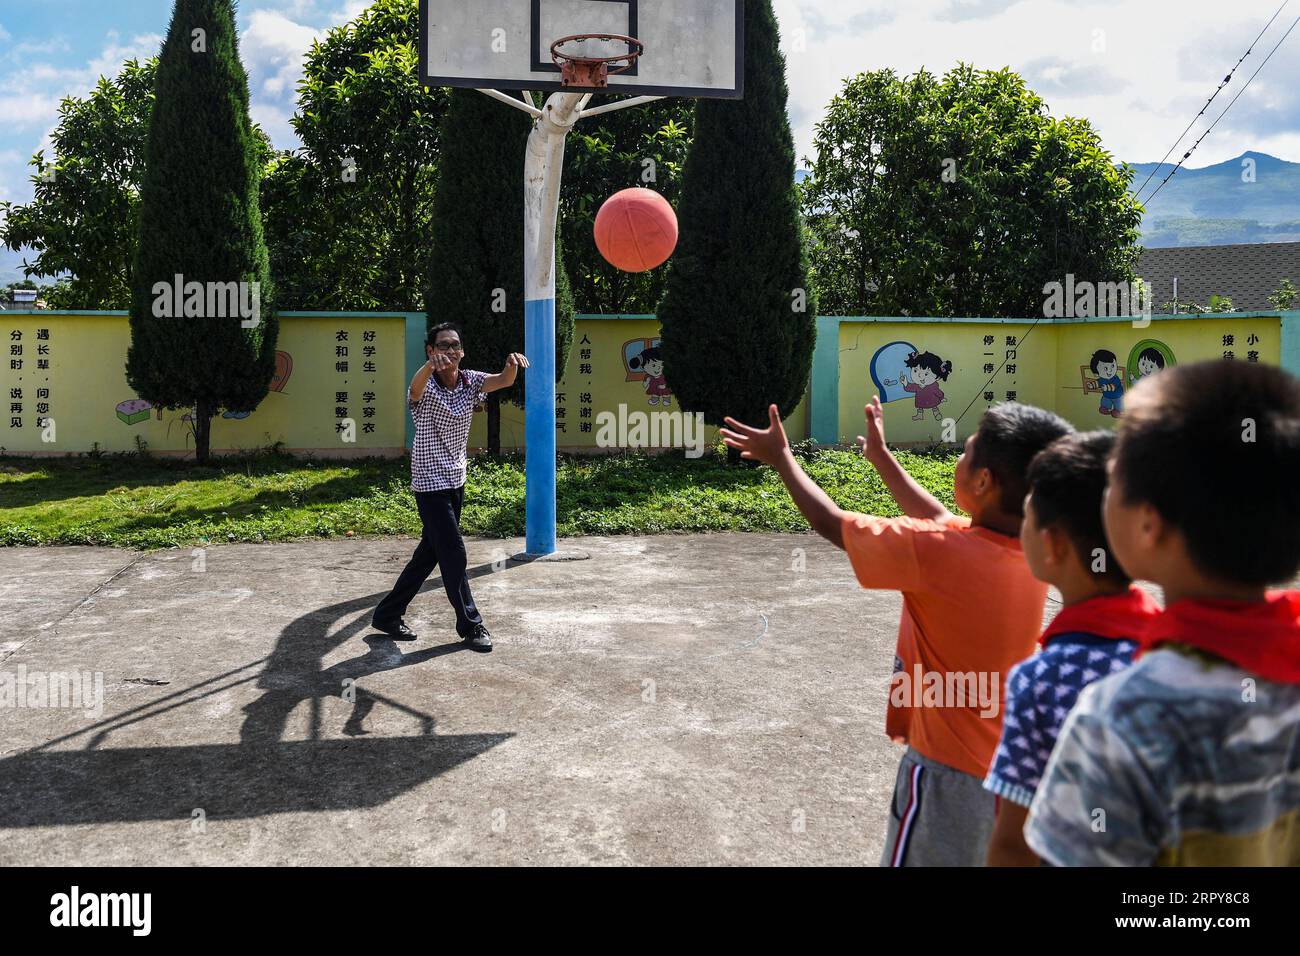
x: 636, y: 230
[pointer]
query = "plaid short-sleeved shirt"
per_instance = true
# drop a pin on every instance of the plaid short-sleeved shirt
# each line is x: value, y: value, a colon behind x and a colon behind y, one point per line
x: 442, y: 420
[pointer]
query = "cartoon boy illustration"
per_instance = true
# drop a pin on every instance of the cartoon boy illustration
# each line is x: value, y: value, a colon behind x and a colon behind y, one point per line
x: 1105, y: 366
x: 651, y: 362
x: 1149, y: 362
x: 927, y: 369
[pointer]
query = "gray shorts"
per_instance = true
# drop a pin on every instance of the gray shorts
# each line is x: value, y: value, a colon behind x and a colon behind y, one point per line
x: 939, y: 816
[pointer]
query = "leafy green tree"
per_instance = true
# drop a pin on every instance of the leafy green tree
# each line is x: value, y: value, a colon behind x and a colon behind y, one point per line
x: 348, y: 215
x: 199, y: 219
x: 960, y: 196
x: 638, y: 146
x: 737, y: 313
x: 476, y: 276
x: 81, y: 220
x: 1285, y: 296
x: 1217, y: 304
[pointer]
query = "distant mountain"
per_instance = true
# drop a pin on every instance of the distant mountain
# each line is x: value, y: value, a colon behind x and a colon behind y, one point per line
x: 1253, y: 198
x: 11, y: 267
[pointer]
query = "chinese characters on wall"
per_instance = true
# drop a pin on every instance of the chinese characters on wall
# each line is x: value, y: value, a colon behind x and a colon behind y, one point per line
x: 583, y: 386
x: 356, y: 370
x: 29, y: 372
x: 1009, y: 353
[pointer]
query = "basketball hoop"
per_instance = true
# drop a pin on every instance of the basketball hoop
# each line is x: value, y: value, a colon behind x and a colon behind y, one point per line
x: 593, y: 72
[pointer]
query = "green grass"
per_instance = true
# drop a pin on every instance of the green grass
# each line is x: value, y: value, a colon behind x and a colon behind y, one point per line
x: 141, y: 502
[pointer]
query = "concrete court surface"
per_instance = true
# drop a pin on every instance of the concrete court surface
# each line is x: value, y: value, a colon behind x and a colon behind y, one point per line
x: 701, y: 699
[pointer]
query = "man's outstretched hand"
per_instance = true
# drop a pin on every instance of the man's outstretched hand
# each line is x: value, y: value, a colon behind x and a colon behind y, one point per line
x: 506, y: 377
x: 767, y: 445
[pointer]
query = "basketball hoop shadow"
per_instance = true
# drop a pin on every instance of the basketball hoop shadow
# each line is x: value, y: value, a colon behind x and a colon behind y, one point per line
x: 262, y: 774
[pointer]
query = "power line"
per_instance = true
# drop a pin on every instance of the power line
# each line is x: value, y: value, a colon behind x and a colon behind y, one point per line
x: 983, y: 388
x: 1226, y: 80
x: 1224, y: 113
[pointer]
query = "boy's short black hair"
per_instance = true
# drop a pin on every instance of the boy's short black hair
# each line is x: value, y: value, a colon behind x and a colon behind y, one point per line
x: 432, y: 340
x: 1214, y: 447
x: 1067, y: 480
x: 1009, y: 437
x: 1099, y: 356
x: 1152, y: 355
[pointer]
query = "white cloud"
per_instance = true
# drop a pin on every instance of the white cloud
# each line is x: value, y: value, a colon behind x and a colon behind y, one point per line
x: 274, y: 120
x: 273, y: 48
x: 27, y: 109
x: 1139, y: 71
x: 27, y: 49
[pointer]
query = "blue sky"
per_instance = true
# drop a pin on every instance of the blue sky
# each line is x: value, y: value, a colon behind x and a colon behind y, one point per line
x: 1140, y: 70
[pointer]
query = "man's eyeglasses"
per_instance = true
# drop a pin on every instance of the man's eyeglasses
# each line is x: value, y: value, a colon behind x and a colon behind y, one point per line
x: 449, y: 347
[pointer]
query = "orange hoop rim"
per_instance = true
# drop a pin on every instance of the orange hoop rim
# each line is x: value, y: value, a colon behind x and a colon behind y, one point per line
x: 560, y: 58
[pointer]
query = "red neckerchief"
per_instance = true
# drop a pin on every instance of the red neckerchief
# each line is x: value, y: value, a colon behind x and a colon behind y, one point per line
x: 1121, y: 617
x: 1262, y: 638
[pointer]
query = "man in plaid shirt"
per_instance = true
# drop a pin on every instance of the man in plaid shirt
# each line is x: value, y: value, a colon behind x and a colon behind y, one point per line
x: 443, y: 399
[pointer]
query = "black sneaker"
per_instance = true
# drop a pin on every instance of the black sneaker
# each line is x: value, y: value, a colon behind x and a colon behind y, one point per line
x: 397, y: 630
x: 479, y: 639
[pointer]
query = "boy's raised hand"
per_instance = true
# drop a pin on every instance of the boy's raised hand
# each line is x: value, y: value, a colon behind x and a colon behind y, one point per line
x: 767, y: 445
x: 873, y: 443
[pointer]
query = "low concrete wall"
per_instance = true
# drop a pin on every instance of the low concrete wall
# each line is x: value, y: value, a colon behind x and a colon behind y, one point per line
x: 341, y: 379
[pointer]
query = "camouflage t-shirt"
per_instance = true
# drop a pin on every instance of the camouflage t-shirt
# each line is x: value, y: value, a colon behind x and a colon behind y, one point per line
x: 1180, y: 760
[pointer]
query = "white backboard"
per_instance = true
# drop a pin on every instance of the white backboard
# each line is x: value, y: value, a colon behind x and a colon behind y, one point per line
x: 692, y: 47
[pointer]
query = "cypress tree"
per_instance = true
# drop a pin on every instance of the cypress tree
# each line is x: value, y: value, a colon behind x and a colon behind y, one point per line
x: 476, y: 278
x: 199, y: 219
x: 738, y: 312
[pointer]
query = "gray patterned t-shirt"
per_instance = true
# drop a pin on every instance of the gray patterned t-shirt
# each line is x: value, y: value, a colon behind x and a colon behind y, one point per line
x: 1180, y: 760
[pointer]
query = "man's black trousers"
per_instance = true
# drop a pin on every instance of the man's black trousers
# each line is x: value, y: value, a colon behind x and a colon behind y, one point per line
x: 440, y: 546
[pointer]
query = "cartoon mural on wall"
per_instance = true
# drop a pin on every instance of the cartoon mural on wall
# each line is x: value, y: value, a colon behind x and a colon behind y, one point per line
x: 134, y: 411
x: 283, y: 369
x: 643, y: 362
x: 992, y: 362
x: 887, y: 367
x: 1148, y: 357
x: 137, y: 410
x: 900, y: 370
x: 1103, y: 376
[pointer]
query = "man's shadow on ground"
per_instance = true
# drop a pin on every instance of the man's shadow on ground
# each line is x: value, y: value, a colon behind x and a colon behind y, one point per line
x: 263, y: 773
x: 295, y: 670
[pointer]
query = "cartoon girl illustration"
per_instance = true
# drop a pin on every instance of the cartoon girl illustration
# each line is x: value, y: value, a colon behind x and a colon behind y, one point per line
x: 1149, y: 362
x: 651, y: 362
x: 927, y: 370
x: 1105, y: 366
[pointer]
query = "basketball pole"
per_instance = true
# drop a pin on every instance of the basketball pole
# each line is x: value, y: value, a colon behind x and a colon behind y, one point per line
x: 543, y: 172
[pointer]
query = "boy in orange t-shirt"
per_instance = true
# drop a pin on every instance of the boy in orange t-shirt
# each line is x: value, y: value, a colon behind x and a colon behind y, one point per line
x: 971, y: 610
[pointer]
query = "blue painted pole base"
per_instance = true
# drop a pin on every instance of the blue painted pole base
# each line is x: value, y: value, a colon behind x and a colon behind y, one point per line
x: 539, y: 426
